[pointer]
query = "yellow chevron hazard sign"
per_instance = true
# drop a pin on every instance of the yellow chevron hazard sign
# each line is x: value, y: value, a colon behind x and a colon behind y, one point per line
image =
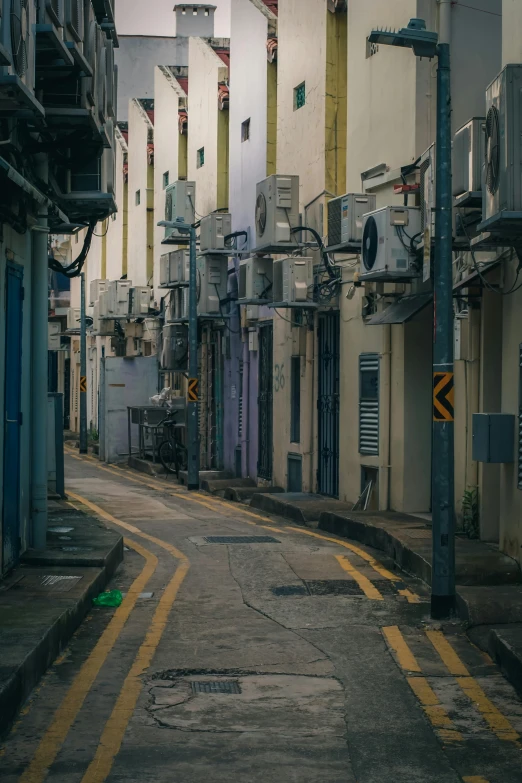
x: 193, y: 390
x: 443, y: 396
x: 83, y: 383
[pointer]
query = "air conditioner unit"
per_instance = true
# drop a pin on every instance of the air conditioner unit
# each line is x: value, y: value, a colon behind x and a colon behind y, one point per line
x: 139, y: 300
x: 54, y: 329
x: 391, y: 236
x: 75, y: 19
x: 277, y: 210
x: 469, y: 149
x: 293, y: 277
x: 167, y: 268
x: 101, y: 77
x: 108, y: 161
x: 212, y: 283
x: 170, y: 306
x: 95, y: 316
x: 73, y: 318
x: 118, y: 291
x: 345, y: 217
x: 175, y: 267
x: 95, y: 289
x: 54, y: 10
x: 214, y: 229
x: 180, y: 200
x: 18, y: 55
x: 256, y: 278
x: 174, y: 354
x: 103, y: 303
x: 181, y: 303
x: 90, y: 51
x: 503, y: 175
x: 111, y: 79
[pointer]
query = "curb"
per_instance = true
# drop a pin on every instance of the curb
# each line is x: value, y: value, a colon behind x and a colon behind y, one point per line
x: 506, y: 656
x: 17, y: 689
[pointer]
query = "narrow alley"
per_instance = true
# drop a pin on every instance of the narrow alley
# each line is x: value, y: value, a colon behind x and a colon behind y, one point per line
x: 249, y: 649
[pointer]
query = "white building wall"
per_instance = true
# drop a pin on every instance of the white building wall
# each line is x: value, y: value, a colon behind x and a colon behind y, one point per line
x: 139, y: 126
x: 115, y: 231
x: 167, y: 97
x: 206, y: 70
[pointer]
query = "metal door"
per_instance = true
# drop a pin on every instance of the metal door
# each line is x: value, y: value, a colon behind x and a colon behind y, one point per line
x: 12, y: 415
x: 328, y: 405
x: 265, y: 402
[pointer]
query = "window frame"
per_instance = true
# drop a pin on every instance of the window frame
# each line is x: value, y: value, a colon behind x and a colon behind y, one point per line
x: 200, y: 158
x: 297, y: 92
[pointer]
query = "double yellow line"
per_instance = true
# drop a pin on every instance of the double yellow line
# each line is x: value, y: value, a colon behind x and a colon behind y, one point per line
x: 434, y: 710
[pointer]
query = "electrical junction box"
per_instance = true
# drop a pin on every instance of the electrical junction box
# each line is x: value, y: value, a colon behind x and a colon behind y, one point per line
x: 139, y: 300
x: 53, y: 332
x: 73, y: 318
x: 494, y: 437
x: 469, y: 150
x: 213, y: 230
x: 118, y: 297
x: 277, y: 210
x: 293, y: 277
x: 345, y: 217
x: 95, y: 289
x: 180, y: 202
x: 256, y: 278
x: 253, y: 340
x: 212, y: 273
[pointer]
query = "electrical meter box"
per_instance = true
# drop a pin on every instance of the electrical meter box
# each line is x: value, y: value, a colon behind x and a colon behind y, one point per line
x: 494, y: 437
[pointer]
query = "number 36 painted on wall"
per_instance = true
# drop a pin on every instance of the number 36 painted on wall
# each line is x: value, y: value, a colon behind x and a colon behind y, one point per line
x: 279, y: 377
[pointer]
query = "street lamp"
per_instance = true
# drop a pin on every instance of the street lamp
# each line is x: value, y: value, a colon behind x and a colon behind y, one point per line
x: 425, y: 44
x: 193, y: 381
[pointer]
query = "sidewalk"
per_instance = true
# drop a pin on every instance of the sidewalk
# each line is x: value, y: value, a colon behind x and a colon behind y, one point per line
x: 45, y: 599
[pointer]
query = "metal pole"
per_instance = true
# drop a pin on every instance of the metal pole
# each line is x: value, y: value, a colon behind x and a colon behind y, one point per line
x: 39, y: 370
x: 83, y: 371
x: 193, y: 388
x: 443, y: 566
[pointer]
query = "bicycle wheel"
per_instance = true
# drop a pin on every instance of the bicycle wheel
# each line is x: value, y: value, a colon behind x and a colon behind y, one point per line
x: 181, y: 457
x: 168, y: 458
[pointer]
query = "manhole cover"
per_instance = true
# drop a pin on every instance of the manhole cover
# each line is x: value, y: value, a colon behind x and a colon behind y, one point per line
x: 290, y: 590
x: 60, y: 529
x: 334, y: 587
x: 220, y: 686
x: 241, y: 540
x: 55, y: 583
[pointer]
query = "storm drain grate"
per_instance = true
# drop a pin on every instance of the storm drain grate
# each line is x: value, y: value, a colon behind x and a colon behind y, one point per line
x: 290, y: 590
x: 219, y: 686
x: 334, y: 587
x: 241, y: 540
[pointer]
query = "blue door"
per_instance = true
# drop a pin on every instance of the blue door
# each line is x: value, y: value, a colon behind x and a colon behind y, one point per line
x: 12, y: 415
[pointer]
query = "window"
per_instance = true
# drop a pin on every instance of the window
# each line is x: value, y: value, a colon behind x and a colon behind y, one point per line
x: 165, y: 179
x: 299, y: 96
x: 295, y: 400
x: 201, y: 157
x: 207, y: 11
x: 138, y: 198
x: 369, y: 403
x: 245, y: 130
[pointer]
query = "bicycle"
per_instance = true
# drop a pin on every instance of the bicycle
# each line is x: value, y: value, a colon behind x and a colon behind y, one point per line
x: 172, y: 453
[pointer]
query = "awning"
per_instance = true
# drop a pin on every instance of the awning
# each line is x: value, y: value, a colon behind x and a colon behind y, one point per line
x: 474, y: 278
x: 8, y: 171
x: 402, y: 310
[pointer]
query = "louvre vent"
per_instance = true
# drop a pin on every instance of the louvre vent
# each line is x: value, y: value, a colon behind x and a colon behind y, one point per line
x: 334, y: 221
x: 369, y: 403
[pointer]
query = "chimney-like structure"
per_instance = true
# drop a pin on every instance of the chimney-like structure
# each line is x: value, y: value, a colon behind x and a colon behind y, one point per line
x: 196, y: 19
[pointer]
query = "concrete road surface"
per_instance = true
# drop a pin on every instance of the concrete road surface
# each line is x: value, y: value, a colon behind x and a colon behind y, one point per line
x: 251, y: 650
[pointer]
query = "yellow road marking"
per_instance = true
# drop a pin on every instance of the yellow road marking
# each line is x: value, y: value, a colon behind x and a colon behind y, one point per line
x: 404, y: 655
x: 434, y: 710
x: 412, y: 598
x: 497, y: 722
x: 475, y: 779
x: 364, y: 583
x: 66, y: 713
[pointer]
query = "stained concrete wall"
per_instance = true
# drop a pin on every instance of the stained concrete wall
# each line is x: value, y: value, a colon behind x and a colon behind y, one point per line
x: 140, y: 129
x: 118, y: 222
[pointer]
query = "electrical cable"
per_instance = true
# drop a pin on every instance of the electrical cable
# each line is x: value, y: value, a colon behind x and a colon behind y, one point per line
x: 74, y: 269
x: 288, y: 320
x: 232, y: 331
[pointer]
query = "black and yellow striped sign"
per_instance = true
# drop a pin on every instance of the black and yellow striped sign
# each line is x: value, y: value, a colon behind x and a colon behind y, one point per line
x: 193, y: 390
x: 443, y: 396
x: 83, y: 383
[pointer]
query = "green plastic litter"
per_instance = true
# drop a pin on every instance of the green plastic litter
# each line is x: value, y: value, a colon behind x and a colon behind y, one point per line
x: 110, y: 598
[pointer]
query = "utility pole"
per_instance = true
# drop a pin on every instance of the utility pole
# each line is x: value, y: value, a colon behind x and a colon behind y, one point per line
x: 83, y: 370
x: 193, y: 380
x: 425, y: 44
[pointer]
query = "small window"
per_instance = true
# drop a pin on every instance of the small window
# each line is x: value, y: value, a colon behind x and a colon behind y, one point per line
x: 299, y: 96
x: 138, y: 198
x: 245, y: 130
x: 207, y: 11
x: 295, y: 400
x: 201, y: 157
x: 183, y: 11
x: 194, y: 12
x: 165, y: 179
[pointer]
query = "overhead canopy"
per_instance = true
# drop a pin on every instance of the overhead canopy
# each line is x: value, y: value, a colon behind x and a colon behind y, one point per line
x: 402, y: 310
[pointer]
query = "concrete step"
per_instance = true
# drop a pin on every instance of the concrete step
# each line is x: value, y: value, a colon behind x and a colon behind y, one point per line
x: 145, y: 466
x: 490, y: 605
x: 300, y: 507
x: 221, y: 485
x: 244, y: 495
x: 505, y: 647
x: 206, y: 475
x: 407, y: 540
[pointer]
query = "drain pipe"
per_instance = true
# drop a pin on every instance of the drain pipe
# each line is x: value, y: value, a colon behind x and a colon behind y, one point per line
x: 245, y: 430
x: 445, y: 8
x: 39, y: 370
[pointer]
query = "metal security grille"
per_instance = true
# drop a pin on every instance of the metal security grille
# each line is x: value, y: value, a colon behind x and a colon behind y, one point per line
x: 240, y: 402
x: 328, y: 405
x: 265, y: 402
x: 295, y: 400
x: 369, y: 403
x: 520, y: 417
x: 230, y: 687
